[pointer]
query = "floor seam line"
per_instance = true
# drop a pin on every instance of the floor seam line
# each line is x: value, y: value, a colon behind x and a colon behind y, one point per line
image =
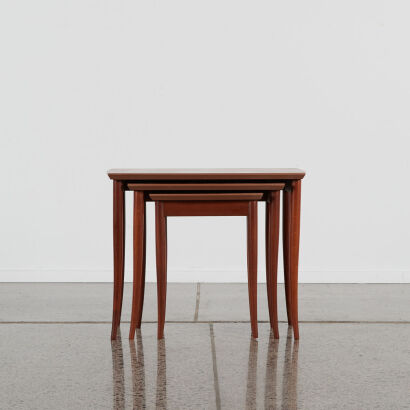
x: 91, y: 322
x: 198, y: 295
x: 214, y: 367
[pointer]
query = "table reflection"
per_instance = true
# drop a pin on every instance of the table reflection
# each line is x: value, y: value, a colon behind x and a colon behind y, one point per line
x: 138, y: 371
x: 279, y: 392
x: 290, y: 373
x: 288, y: 397
x: 161, y: 394
x: 118, y: 373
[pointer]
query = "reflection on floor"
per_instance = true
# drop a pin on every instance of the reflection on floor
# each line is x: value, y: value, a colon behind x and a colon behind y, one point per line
x: 138, y: 374
x: 136, y: 349
x: 52, y: 357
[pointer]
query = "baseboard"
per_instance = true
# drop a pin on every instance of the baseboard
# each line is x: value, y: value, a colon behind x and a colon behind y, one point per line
x: 195, y: 275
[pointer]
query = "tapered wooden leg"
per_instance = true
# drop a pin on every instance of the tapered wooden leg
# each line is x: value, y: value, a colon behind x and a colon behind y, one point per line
x: 119, y: 249
x: 294, y: 254
x: 286, y: 249
x: 252, y: 222
x: 139, y: 262
x: 272, y: 249
x: 161, y: 251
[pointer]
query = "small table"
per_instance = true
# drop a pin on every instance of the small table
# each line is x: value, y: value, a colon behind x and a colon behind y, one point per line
x: 144, y: 181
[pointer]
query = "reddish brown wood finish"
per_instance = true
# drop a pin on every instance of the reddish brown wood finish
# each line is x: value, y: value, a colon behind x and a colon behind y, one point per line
x: 119, y: 249
x: 197, y: 174
x: 139, y: 262
x: 157, y: 186
x: 204, y: 181
x: 272, y: 250
x: 161, y: 254
x: 294, y: 254
x: 251, y: 196
x: 206, y: 208
x: 247, y: 208
x: 286, y: 249
x: 252, y: 224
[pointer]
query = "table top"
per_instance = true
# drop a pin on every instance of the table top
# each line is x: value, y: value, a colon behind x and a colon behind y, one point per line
x: 193, y: 174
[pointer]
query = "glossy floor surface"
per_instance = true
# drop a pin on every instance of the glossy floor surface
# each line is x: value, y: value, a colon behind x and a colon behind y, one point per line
x: 56, y: 353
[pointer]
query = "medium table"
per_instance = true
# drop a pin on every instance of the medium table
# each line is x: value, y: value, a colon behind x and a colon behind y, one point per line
x: 145, y: 181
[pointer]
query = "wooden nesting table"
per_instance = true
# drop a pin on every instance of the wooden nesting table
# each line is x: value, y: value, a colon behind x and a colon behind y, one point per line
x: 171, y: 188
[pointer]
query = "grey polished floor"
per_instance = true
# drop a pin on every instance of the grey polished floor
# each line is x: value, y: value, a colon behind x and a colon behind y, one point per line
x: 55, y: 352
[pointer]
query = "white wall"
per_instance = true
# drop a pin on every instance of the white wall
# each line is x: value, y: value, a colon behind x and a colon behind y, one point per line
x: 90, y: 85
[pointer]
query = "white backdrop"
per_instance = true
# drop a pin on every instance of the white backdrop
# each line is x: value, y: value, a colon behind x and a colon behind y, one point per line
x: 91, y: 85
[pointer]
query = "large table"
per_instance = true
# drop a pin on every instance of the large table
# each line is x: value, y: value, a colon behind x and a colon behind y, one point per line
x: 147, y: 182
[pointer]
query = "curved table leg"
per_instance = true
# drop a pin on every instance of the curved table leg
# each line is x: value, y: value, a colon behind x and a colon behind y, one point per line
x: 119, y: 249
x: 272, y: 248
x: 161, y: 254
x: 139, y: 262
x: 294, y: 254
x: 252, y: 222
x: 286, y: 249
